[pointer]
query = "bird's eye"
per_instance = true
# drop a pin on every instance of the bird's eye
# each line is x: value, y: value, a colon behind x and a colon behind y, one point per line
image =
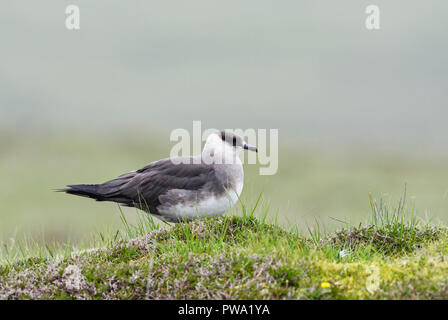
x: 234, y: 141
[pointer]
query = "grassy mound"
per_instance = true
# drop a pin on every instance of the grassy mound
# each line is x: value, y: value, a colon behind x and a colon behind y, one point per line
x: 243, y: 258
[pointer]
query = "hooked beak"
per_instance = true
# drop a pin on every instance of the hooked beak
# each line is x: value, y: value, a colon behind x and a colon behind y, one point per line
x: 249, y: 147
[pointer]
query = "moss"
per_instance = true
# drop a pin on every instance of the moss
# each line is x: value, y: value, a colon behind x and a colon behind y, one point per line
x: 243, y: 258
x: 385, y: 240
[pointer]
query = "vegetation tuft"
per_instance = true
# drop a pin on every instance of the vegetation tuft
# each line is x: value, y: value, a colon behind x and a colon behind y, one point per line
x: 241, y: 257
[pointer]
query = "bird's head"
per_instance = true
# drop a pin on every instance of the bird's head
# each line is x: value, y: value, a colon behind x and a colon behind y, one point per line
x: 226, y: 145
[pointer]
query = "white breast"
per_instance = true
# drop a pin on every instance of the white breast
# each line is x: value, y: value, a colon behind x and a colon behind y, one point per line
x: 209, y: 206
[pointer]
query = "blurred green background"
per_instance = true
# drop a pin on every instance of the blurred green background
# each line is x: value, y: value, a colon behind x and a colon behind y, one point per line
x: 358, y: 111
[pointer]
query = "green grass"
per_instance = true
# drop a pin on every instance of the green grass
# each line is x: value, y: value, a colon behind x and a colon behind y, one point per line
x: 324, y: 184
x: 245, y: 255
x: 312, y: 240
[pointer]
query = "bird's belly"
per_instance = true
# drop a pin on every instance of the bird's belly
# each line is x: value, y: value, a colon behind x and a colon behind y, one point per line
x: 207, y: 207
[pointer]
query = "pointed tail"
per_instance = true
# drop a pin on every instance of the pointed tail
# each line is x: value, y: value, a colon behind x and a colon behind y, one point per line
x: 85, y: 190
x: 97, y: 192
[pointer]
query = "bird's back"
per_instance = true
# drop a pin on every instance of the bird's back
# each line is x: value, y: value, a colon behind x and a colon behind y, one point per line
x: 172, y: 188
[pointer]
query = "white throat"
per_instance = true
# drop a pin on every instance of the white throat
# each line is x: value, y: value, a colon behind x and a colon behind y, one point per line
x: 219, y: 152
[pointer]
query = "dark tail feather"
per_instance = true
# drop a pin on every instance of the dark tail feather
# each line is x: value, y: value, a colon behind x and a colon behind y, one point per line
x: 85, y: 190
x: 93, y: 191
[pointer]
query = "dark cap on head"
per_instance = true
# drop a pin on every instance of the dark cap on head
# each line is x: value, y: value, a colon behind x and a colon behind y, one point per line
x: 235, y: 140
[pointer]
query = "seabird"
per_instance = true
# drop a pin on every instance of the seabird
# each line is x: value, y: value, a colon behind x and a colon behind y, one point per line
x: 180, y: 188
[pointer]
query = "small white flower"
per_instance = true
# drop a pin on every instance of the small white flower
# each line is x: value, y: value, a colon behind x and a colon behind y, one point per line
x: 344, y: 253
x: 74, y: 279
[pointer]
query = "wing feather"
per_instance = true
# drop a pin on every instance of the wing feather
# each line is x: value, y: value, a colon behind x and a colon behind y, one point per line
x: 144, y: 188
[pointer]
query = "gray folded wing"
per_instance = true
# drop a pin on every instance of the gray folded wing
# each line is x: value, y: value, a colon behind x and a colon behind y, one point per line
x: 148, y: 187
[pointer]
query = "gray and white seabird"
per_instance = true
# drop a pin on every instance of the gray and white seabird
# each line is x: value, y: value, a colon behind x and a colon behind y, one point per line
x: 181, y: 188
